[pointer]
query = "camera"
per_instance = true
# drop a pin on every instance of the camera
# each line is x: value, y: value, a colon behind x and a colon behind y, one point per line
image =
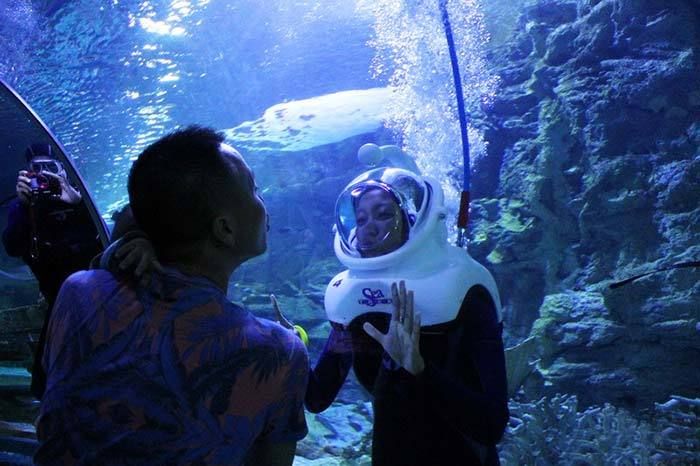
x: 44, y: 186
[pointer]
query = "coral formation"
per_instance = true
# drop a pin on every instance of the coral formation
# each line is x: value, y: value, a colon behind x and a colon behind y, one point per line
x: 592, y: 175
x: 554, y: 431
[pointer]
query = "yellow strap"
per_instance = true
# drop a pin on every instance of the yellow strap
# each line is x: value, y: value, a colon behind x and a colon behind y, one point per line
x: 302, y: 334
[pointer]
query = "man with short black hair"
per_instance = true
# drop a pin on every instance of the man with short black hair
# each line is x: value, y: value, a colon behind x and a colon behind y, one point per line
x: 172, y: 372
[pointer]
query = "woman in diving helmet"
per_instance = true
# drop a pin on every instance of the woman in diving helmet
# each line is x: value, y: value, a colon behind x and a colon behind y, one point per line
x: 438, y: 387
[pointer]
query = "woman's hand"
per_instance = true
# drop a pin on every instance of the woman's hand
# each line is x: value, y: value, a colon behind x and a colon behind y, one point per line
x: 282, y: 320
x: 402, y: 340
x: 138, y: 254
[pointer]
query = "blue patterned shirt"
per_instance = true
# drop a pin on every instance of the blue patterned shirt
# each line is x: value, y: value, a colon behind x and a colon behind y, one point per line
x: 173, y: 373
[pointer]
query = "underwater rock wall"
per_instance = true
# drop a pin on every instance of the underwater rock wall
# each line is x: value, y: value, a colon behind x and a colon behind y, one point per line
x: 596, y: 129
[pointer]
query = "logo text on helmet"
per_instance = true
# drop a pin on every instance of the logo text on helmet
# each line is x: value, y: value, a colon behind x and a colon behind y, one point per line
x: 373, y: 297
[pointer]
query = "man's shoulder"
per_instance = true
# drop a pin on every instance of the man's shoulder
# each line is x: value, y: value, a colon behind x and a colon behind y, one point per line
x: 90, y: 278
x: 88, y: 285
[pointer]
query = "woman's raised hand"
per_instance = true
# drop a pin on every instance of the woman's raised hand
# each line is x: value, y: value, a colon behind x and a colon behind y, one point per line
x: 402, y: 340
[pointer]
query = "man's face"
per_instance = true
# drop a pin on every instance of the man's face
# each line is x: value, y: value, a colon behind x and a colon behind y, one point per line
x: 251, y: 216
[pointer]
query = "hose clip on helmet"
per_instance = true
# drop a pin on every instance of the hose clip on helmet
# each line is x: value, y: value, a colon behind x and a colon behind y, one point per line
x: 439, y: 274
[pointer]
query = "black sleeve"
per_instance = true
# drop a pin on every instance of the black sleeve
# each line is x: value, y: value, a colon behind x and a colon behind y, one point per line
x: 16, y: 237
x: 330, y: 372
x: 399, y: 417
x: 478, y: 408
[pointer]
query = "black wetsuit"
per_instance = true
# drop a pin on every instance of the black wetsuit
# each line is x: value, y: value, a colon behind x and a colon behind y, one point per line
x: 453, y: 413
x: 66, y: 242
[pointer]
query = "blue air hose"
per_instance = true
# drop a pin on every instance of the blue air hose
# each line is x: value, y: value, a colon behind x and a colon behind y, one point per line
x: 463, y: 216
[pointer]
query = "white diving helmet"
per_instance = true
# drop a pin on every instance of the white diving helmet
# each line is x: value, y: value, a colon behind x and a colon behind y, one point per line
x: 408, y: 242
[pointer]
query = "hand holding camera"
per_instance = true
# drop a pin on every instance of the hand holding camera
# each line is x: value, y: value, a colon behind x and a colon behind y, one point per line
x: 42, y: 184
x: 24, y: 188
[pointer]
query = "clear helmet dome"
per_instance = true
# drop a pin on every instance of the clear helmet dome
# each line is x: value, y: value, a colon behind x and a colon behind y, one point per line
x: 378, y: 211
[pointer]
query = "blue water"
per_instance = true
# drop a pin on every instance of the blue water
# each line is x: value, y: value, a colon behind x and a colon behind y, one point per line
x: 109, y: 79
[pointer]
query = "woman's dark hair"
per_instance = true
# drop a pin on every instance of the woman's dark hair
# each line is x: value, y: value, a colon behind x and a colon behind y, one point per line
x: 178, y: 185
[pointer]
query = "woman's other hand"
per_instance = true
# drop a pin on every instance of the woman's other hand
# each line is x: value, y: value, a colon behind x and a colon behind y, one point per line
x: 138, y: 256
x: 282, y: 320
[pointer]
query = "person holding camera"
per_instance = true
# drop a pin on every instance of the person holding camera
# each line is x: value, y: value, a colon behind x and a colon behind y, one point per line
x: 50, y: 228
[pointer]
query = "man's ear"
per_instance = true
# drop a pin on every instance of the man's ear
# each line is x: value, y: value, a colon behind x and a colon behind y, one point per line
x: 225, y: 230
